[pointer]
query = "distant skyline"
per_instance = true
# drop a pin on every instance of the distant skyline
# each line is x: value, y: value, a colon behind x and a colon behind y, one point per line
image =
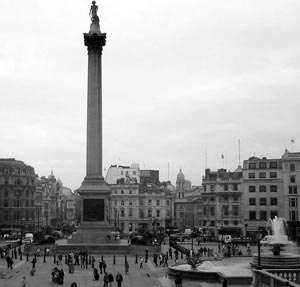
x: 180, y: 79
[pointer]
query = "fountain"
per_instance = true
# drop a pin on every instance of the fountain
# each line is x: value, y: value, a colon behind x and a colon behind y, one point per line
x: 277, y: 241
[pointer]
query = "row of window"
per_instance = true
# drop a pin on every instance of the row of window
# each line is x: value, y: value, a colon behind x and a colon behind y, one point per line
x: 226, y: 187
x: 263, y: 165
x: 263, y: 188
x: 16, y: 203
x: 263, y: 201
x: 17, y: 193
x: 272, y: 174
x: 261, y: 215
x: 223, y: 222
x: 18, y: 170
x: 224, y: 210
x: 123, y: 192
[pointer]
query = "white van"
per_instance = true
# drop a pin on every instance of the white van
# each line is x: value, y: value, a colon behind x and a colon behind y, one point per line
x: 28, y: 238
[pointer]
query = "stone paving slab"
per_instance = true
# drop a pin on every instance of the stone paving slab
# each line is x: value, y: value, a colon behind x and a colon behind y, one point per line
x: 150, y: 275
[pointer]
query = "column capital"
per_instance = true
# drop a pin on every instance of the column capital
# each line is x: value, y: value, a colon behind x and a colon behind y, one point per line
x: 95, y: 42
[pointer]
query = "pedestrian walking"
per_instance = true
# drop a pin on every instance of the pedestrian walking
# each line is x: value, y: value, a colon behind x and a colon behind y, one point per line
x: 105, y: 280
x: 96, y: 274
x: 100, y: 266
x: 119, y: 279
x: 224, y: 282
x: 110, y: 279
x: 126, y: 267
x: 24, y: 282
x: 141, y: 262
x: 104, y: 266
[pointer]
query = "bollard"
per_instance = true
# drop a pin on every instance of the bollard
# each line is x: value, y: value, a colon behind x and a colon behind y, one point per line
x: 136, y: 259
x: 114, y: 259
x: 54, y: 258
x: 21, y: 256
x: 44, y: 257
x: 125, y: 258
x: 90, y: 259
x: 27, y: 259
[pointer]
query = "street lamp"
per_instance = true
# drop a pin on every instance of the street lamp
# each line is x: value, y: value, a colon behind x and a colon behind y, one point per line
x: 259, y: 234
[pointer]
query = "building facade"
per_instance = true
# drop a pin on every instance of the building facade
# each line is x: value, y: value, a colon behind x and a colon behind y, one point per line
x: 17, y: 196
x: 262, y: 192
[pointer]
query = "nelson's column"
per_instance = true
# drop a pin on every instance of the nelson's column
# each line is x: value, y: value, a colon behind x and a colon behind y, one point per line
x: 95, y: 193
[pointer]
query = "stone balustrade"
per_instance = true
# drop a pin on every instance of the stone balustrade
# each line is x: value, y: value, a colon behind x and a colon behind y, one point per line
x: 275, y: 277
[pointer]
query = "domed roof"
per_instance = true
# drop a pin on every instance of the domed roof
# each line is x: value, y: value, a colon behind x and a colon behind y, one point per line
x: 180, y: 176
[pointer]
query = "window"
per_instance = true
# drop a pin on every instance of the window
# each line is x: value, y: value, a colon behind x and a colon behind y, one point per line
x: 212, y: 199
x: 141, y: 202
x: 262, y: 175
x: 168, y: 202
x: 262, y: 165
x: 204, y: 211
x: 262, y: 188
x: 116, y: 192
x: 252, y: 215
x: 263, y: 215
x: 292, y: 179
x: 116, y: 202
x: 157, y: 202
x: 252, y: 188
x: 273, y: 188
x: 235, y: 186
x: 292, y: 167
x: 273, y: 174
x: 122, y: 172
x: 122, y: 202
x: 293, y: 202
x: 122, y: 213
x: 141, y: 213
x: 273, y: 214
x: 212, y: 188
x: 130, y: 212
x: 251, y: 175
x: 263, y: 201
x: 212, y: 223
x: 235, y: 210
x: 273, y: 200
x: 273, y: 164
x: 130, y: 203
x: 235, y: 198
x: 226, y: 222
x: 225, y: 187
x: 212, y: 211
x: 225, y: 198
x: 252, y: 201
x: 157, y: 213
x: 225, y: 209
x: 122, y: 191
x: 149, y: 212
x: 293, y: 215
x: 292, y: 189
x: 5, y: 193
x: 130, y: 191
x: 252, y: 165
x: 149, y: 201
x: 204, y: 187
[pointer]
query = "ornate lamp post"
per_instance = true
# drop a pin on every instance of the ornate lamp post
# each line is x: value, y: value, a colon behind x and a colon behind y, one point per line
x: 259, y: 234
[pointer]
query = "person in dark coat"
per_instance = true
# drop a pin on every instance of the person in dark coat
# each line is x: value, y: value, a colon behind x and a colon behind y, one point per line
x: 119, y: 279
x: 110, y: 279
x: 96, y: 274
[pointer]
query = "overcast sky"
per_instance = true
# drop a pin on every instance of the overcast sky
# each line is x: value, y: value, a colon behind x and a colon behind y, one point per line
x: 179, y: 78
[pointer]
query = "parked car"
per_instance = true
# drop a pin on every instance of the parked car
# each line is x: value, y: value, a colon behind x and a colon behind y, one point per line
x: 27, y: 240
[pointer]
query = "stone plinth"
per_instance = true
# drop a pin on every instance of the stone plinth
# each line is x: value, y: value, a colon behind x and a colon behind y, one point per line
x: 282, y: 261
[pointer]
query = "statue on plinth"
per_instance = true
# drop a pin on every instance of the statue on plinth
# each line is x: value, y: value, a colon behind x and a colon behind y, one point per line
x: 95, y: 27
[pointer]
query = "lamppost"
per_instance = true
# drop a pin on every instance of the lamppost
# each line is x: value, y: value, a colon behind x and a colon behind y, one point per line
x: 22, y: 228
x: 259, y: 234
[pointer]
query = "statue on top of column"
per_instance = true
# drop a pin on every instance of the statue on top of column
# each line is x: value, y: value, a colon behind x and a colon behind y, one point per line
x: 93, y: 13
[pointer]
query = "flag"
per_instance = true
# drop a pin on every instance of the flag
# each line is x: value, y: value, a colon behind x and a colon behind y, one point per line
x: 222, y: 156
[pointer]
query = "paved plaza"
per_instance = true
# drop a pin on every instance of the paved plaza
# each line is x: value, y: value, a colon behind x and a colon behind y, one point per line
x: 149, y: 275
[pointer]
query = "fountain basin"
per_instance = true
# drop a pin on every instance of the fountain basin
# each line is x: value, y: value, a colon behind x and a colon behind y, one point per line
x: 235, y: 270
x: 271, y: 261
